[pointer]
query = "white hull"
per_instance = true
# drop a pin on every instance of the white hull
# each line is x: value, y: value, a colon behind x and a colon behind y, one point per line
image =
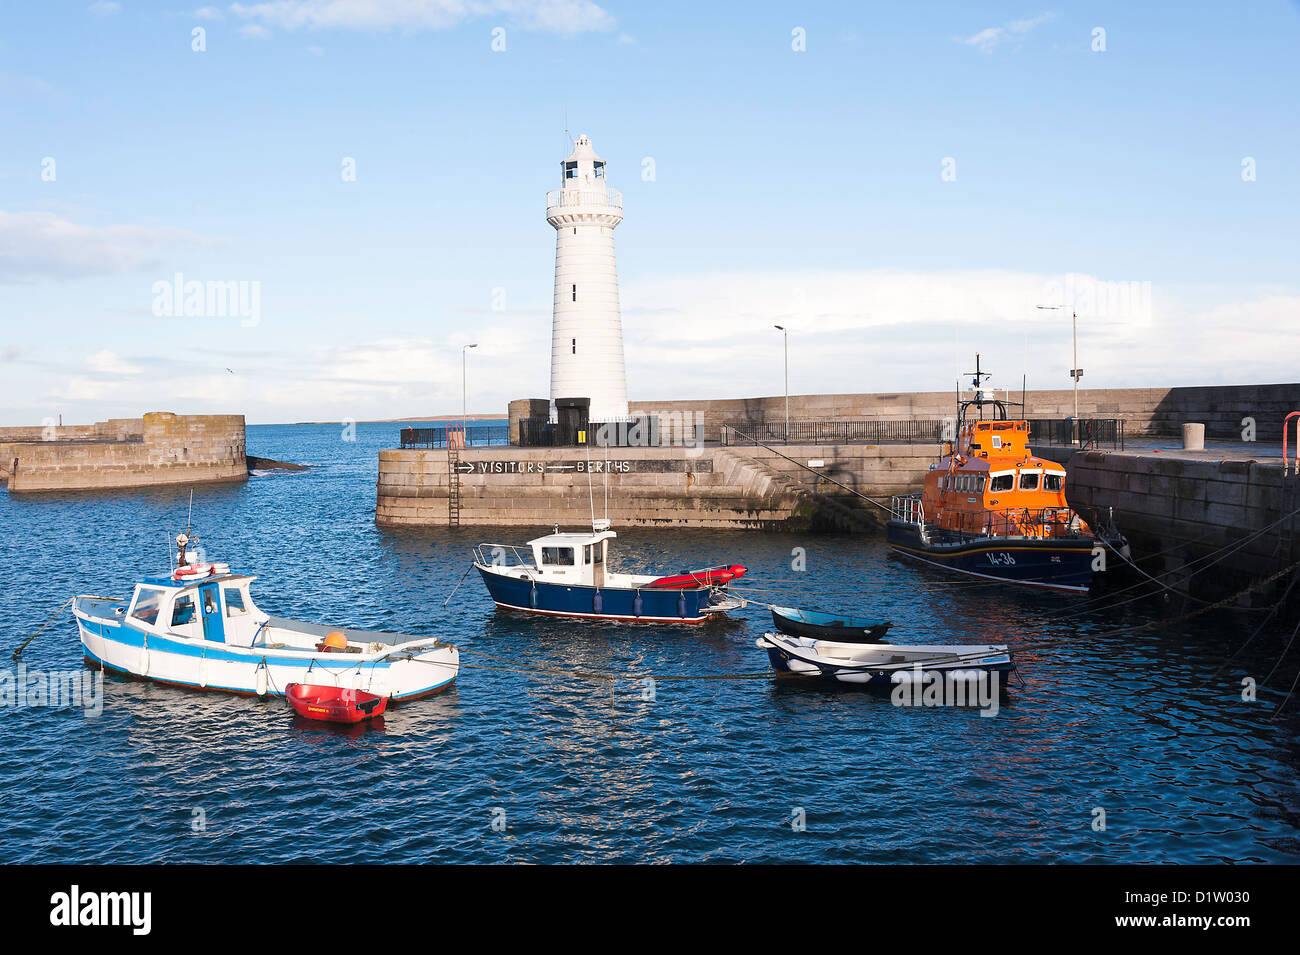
x: 402, y: 671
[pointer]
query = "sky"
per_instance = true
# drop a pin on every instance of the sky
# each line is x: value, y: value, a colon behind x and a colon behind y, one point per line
x: 900, y: 184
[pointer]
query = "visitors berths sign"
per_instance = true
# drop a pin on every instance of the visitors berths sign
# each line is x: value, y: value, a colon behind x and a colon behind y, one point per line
x: 581, y: 466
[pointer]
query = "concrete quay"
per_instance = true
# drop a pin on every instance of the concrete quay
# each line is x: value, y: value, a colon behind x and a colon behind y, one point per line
x: 1181, y: 509
x: 158, y: 448
x: 713, y: 486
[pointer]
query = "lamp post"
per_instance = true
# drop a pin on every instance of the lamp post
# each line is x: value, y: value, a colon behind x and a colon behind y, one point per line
x: 464, y: 390
x: 1075, y: 371
x: 785, y: 334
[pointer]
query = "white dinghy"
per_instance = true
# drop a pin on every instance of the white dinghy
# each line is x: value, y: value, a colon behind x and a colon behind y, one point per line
x: 880, y: 664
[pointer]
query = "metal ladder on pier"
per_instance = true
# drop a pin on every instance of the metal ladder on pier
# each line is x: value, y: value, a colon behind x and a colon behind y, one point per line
x: 453, y: 479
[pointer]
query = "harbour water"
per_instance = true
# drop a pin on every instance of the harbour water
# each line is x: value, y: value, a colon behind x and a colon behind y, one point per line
x: 1148, y: 726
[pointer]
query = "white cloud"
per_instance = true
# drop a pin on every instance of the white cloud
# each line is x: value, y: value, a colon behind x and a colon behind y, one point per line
x: 552, y: 16
x: 107, y: 362
x: 105, y: 8
x: 710, y: 336
x: 894, y: 331
x: 990, y: 38
x: 37, y: 245
x: 209, y: 13
x: 255, y: 30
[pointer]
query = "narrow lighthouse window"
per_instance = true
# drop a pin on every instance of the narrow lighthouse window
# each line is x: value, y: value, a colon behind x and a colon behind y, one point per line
x: 575, y: 346
x: 575, y: 293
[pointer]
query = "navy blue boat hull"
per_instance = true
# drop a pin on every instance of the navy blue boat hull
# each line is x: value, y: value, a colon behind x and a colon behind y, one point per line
x: 602, y: 603
x: 1053, y: 564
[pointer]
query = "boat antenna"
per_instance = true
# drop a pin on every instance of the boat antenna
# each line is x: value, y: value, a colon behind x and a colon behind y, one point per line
x: 189, y: 521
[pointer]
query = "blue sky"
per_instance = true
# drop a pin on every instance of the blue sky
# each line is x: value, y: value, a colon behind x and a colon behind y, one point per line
x: 804, y: 187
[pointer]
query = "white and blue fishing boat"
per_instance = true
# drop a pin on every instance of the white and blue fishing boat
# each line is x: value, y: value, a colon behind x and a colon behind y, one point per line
x: 197, y: 626
x: 568, y: 575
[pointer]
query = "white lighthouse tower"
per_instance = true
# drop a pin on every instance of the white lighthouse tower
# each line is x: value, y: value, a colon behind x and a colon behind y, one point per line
x: 587, y: 330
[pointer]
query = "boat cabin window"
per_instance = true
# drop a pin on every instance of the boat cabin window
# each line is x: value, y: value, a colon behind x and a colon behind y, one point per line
x: 147, y: 604
x: 1053, y: 482
x: 600, y: 552
x: 1029, y: 481
x: 183, y: 611
x: 586, y: 553
x: 558, y: 556
x: 235, y: 602
x: 1001, y: 482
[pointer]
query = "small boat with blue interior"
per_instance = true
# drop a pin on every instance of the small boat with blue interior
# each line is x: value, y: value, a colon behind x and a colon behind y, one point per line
x: 567, y: 574
x: 828, y: 626
x: 197, y: 626
x: 882, y: 664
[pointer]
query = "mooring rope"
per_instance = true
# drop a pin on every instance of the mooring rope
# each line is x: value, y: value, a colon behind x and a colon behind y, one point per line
x: 825, y: 477
x: 19, y: 652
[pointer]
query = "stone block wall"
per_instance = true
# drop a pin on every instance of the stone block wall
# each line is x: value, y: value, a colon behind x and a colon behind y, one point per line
x: 714, y: 487
x: 160, y: 448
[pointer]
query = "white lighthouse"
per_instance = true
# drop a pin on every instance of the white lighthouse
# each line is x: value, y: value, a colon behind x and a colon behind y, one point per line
x: 587, y: 330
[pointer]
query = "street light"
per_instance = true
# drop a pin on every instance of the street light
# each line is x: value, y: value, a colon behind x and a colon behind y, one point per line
x: 786, y: 335
x: 464, y: 390
x: 1076, y: 372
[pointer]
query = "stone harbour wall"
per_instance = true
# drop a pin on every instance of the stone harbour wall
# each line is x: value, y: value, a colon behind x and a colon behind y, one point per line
x: 1143, y: 410
x: 735, y: 487
x: 1180, y: 509
x: 159, y: 448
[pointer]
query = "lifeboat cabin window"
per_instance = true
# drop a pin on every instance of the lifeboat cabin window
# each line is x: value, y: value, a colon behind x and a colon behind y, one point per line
x: 1029, y: 481
x: 183, y: 611
x: 1002, y: 482
x: 1053, y: 482
x: 146, y: 606
x: 557, y: 556
x: 235, y: 603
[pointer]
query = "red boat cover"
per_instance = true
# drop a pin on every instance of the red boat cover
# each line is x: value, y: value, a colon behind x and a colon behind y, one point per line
x: 699, y: 578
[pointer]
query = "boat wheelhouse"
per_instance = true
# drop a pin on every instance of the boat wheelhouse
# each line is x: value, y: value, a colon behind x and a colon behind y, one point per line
x: 199, y: 627
x: 990, y: 508
x: 568, y: 574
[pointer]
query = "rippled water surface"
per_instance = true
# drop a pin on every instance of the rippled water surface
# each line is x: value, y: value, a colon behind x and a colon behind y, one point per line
x: 1145, y: 725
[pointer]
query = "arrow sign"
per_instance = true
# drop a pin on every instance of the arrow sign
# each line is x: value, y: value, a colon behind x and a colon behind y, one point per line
x: 464, y: 467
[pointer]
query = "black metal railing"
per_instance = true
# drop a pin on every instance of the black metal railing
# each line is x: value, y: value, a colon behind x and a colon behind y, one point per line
x: 642, y: 432
x: 874, y: 431
x: 1079, y: 432
x: 480, y: 436
x: 1049, y: 432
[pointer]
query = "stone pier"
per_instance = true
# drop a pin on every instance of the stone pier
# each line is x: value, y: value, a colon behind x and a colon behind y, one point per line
x: 158, y: 448
x: 733, y: 487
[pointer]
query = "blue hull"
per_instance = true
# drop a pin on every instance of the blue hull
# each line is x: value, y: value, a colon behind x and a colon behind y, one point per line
x: 604, y: 603
x: 1051, y: 564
